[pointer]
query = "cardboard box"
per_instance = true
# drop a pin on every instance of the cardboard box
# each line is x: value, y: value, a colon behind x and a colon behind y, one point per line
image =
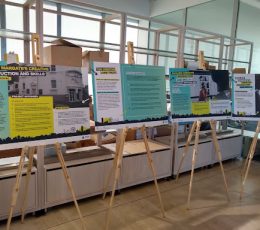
x: 239, y: 70
x: 62, y: 53
x: 91, y: 56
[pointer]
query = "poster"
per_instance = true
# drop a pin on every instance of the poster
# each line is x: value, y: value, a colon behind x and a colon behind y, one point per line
x: 128, y: 95
x: 199, y: 94
x: 42, y: 105
x: 246, y: 96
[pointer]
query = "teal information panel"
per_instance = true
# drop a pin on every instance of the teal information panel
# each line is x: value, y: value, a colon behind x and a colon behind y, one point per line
x: 128, y: 95
x: 144, y: 95
x: 4, y: 116
x: 199, y: 94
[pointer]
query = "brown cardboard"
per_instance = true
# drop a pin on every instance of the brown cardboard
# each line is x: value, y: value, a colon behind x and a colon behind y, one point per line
x: 62, y: 53
x: 239, y: 70
x: 90, y: 56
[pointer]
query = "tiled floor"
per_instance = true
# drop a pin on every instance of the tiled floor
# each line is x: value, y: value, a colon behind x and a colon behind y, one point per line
x: 138, y: 208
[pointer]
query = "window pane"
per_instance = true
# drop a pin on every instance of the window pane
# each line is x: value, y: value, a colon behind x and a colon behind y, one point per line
x: 14, y: 18
x: 49, y: 5
x: 80, y: 28
x: 13, y: 45
x: 113, y: 56
x: 132, y: 35
x: 82, y: 12
x: 32, y: 21
x: 49, y: 23
x: 112, y: 34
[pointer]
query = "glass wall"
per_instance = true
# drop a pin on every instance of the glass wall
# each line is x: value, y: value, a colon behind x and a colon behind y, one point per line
x: 175, y: 17
x: 214, y: 16
x: 78, y: 24
x: 249, y: 29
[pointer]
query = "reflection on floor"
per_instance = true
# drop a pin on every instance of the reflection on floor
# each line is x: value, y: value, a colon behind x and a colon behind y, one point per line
x: 137, y: 208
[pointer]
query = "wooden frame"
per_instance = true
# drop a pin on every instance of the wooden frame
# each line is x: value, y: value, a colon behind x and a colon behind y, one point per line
x: 117, y: 163
x: 30, y: 151
x: 250, y: 155
x: 195, y: 129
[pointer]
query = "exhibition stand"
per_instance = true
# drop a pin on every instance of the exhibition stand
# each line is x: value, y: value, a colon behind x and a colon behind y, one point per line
x: 196, y: 125
x: 27, y: 124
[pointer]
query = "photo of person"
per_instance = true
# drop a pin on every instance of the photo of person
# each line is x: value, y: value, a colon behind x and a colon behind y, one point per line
x: 257, y: 93
x: 203, y: 93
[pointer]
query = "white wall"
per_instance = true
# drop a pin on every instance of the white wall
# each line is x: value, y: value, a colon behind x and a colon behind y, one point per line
x: 165, y: 6
x: 138, y: 7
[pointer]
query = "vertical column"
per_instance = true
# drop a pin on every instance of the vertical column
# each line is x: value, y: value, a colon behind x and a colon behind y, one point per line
x: 221, y: 53
x: 122, y: 38
x: 185, y: 15
x: 102, y: 32
x: 250, y: 58
x: 26, y: 28
x: 197, y: 45
x: 156, y: 47
x: 2, y: 26
x: 58, y: 19
x: 233, y: 34
x: 39, y: 24
x: 181, y: 43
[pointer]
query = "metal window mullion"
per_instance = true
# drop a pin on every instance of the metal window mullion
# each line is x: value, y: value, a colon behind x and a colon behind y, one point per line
x: 3, y: 26
x: 221, y: 52
x: 26, y: 28
x: 122, y: 38
x: 102, y: 33
x: 233, y: 33
x: 250, y: 58
x: 59, y: 20
x: 156, y: 47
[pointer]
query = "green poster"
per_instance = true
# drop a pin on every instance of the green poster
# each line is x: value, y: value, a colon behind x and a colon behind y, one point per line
x: 4, y: 117
x: 144, y: 95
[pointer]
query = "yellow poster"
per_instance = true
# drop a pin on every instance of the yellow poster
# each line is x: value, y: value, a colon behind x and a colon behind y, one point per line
x: 31, y: 117
x: 200, y: 108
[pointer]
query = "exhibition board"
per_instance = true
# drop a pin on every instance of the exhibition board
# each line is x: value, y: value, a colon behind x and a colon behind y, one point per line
x: 42, y: 105
x: 246, y: 97
x: 128, y: 95
x: 199, y: 95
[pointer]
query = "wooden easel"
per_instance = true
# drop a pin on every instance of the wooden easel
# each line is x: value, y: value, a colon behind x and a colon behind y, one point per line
x: 117, y: 163
x: 196, y: 126
x: 30, y: 151
x: 130, y: 52
x: 201, y: 59
x: 250, y: 155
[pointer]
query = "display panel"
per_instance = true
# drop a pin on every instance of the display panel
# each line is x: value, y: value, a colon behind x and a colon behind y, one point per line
x: 246, y: 97
x: 199, y: 94
x: 128, y: 95
x: 42, y: 105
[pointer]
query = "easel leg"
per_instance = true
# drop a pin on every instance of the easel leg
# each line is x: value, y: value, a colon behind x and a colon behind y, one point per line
x: 150, y: 160
x: 120, y: 148
x: 112, y: 171
x: 28, y: 176
x: 246, y: 162
x: 16, y: 186
x: 195, y: 151
x: 218, y: 153
x: 186, y: 149
x: 250, y: 151
x: 250, y: 157
x: 68, y: 180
